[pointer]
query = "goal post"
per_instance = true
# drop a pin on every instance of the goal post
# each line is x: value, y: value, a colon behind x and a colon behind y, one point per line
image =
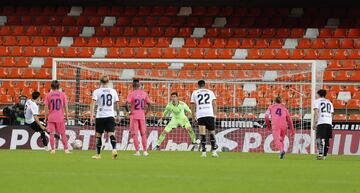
x: 259, y: 80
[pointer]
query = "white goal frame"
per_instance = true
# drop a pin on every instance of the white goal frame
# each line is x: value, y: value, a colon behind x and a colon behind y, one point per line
x: 315, y: 65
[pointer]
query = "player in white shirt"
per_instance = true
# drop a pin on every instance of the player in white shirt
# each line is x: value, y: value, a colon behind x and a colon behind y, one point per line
x: 203, y: 104
x: 323, y: 111
x: 31, y: 112
x: 105, y: 98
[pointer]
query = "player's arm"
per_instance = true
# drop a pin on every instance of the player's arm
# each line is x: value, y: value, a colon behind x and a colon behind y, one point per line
x: 66, y: 109
x: 290, y: 122
x: 38, y: 122
x: 166, y: 112
x: 148, y: 104
x: 316, y: 117
x: 187, y: 110
x: 214, y: 107
x: 46, y: 107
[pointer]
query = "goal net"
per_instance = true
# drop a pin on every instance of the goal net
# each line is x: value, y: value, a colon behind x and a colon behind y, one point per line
x: 244, y: 89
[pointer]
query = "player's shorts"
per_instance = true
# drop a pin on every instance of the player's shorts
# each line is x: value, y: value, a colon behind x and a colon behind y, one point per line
x: 324, y: 131
x: 137, y: 125
x: 58, y: 127
x: 34, y: 126
x: 208, y: 122
x: 175, y: 123
x: 105, y: 124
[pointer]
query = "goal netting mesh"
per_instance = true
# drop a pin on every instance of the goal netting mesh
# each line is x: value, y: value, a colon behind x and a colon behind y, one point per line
x: 243, y: 90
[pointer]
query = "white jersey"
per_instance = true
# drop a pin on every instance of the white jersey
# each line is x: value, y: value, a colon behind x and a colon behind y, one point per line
x: 326, y: 109
x: 31, y: 109
x: 105, y: 100
x: 203, y: 99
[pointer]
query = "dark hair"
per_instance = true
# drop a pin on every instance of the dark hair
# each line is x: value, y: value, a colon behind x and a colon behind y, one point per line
x: 136, y: 83
x: 201, y: 83
x: 278, y: 99
x: 174, y: 93
x: 104, y: 79
x: 321, y: 93
x: 55, y: 85
x: 35, y: 95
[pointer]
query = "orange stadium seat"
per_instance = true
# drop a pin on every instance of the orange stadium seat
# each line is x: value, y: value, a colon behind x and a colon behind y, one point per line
x: 347, y: 43
x: 332, y: 43
x: 163, y: 42
x: 353, y: 104
x: 354, y: 117
x: 355, y: 76
x: 342, y: 76
x: 340, y: 117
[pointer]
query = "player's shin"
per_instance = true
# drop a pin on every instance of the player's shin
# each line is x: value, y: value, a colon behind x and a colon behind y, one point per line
x: 213, y: 141
x: 98, y: 145
x: 161, y: 138
x: 191, y: 134
x: 202, y: 132
x: 326, y: 148
x: 113, y: 141
x: 320, y: 146
x: 43, y: 138
x: 52, y: 141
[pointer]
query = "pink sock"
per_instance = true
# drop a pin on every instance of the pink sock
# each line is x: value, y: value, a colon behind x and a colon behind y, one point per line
x: 143, y: 141
x: 64, y: 141
x: 136, y: 142
x: 52, y: 141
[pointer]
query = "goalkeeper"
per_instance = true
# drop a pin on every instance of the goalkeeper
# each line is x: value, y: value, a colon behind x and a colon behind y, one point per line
x: 179, y: 119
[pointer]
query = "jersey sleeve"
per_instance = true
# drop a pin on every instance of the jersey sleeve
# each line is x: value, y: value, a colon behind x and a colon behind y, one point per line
x: 289, y: 120
x: 147, y: 99
x: 65, y: 99
x: 316, y: 104
x: 116, y: 96
x: 46, y: 101
x: 167, y: 110
x: 128, y: 98
x: 192, y: 99
x: 213, y: 97
x: 94, y: 96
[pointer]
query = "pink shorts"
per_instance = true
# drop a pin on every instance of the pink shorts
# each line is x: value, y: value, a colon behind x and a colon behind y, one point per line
x: 138, y: 125
x: 279, y: 134
x: 58, y: 127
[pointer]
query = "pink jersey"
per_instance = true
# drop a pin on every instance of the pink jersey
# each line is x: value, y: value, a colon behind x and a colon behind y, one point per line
x: 280, y: 118
x: 138, y: 99
x: 56, y: 101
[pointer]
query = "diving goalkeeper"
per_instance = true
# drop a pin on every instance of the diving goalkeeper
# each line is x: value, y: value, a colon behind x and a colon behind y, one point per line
x: 179, y: 119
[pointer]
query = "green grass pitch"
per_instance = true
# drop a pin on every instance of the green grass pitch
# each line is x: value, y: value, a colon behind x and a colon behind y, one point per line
x: 171, y: 172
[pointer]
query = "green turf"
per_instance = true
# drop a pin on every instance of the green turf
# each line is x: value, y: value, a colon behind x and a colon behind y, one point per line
x: 172, y: 172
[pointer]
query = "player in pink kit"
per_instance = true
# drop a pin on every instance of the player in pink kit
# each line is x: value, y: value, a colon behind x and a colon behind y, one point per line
x: 55, y: 106
x: 280, y: 121
x: 140, y: 105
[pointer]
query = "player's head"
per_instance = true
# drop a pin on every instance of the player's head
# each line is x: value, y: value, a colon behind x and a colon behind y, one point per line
x: 35, y: 96
x: 136, y: 84
x: 55, y: 85
x: 174, y: 97
x: 104, y: 80
x: 201, y: 83
x: 277, y: 100
x: 321, y: 93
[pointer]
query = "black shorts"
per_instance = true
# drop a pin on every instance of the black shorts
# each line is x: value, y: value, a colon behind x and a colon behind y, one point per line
x: 324, y: 131
x: 36, y: 127
x: 208, y: 122
x: 105, y: 124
